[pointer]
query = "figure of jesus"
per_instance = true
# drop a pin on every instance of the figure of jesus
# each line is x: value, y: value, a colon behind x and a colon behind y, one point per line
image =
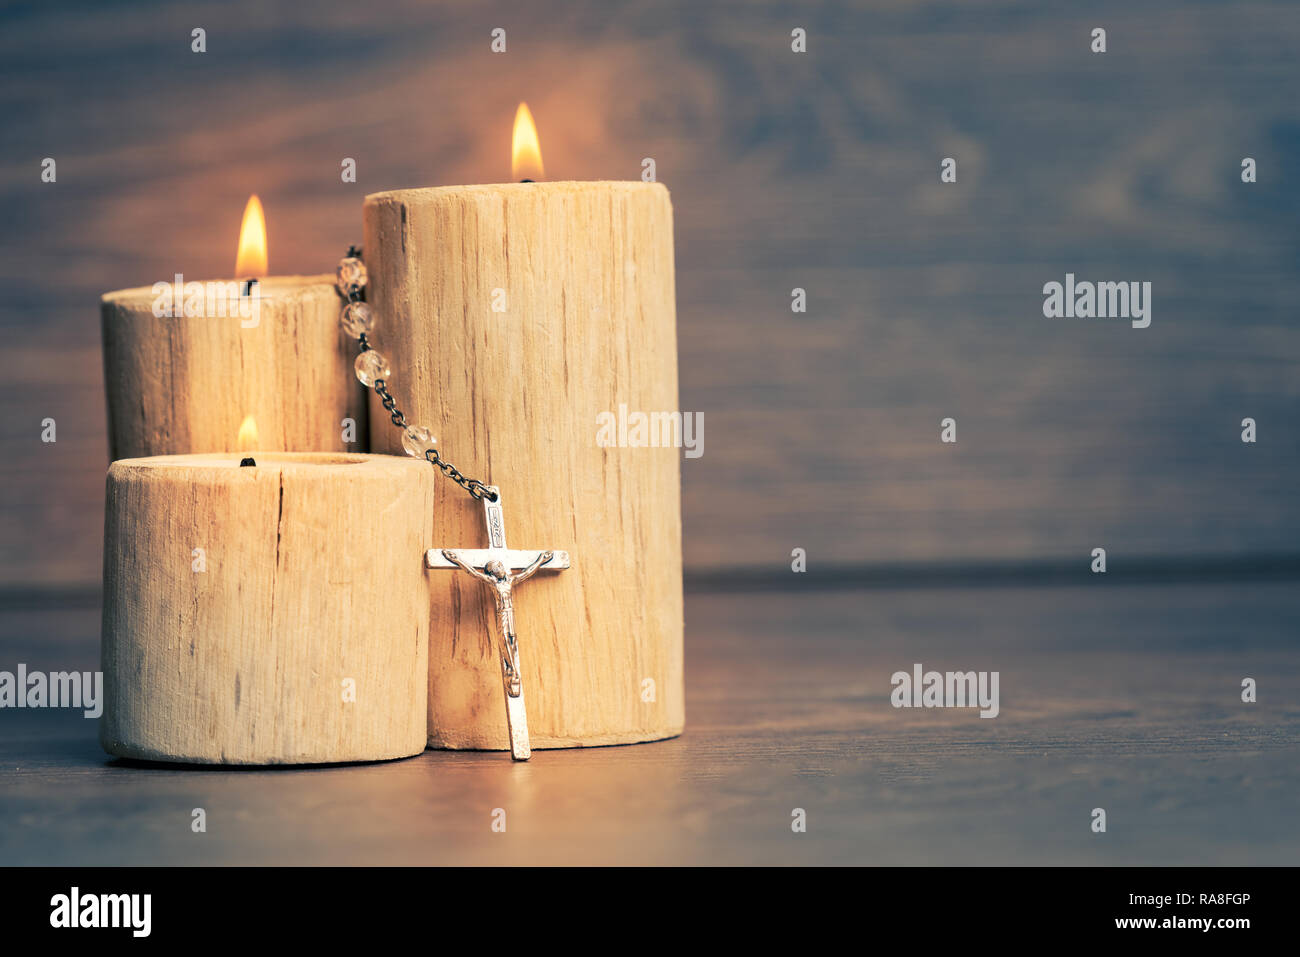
x: 496, y: 574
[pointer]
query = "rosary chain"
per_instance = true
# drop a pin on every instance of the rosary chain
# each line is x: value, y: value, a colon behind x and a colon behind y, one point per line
x: 474, y: 487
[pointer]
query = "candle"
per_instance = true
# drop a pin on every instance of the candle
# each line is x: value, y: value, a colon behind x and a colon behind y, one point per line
x: 184, y: 361
x: 515, y: 318
x: 267, y: 613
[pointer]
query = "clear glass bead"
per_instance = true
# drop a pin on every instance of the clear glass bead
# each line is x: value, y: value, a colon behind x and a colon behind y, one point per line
x: 351, y: 277
x: 417, y: 440
x: 357, y: 319
x: 371, y: 366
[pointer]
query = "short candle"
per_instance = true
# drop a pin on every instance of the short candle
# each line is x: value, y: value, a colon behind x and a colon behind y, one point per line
x: 267, y: 614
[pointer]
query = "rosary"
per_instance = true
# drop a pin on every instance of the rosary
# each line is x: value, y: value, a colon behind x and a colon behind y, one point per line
x: 497, y: 566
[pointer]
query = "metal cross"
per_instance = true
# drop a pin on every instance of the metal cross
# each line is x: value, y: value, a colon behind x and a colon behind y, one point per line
x: 493, y: 566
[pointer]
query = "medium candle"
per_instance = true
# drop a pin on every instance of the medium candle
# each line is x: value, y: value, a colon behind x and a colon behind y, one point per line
x: 185, y: 363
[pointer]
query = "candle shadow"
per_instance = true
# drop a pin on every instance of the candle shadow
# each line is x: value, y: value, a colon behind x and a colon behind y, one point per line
x: 140, y: 764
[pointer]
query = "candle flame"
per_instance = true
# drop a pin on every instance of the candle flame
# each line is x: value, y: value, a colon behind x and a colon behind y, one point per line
x: 525, y: 150
x: 248, y: 434
x: 250, y: 261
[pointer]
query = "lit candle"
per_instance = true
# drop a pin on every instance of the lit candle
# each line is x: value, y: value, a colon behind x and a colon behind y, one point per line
x: 515, y: 316
x: 185, y: 360
x: 275, y: 614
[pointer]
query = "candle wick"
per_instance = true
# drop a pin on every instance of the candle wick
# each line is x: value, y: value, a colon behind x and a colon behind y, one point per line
x: 246, y: 287
x: 525, y: 181
x: 246, y: 461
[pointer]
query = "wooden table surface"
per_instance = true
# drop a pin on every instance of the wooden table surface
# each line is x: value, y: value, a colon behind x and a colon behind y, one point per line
x: 1125, y: 698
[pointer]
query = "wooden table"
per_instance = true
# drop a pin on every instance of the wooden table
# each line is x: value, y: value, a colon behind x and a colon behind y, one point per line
x: 1126, y: 698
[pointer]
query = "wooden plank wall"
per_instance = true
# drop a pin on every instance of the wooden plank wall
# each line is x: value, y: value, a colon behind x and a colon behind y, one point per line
x: 818, y: 170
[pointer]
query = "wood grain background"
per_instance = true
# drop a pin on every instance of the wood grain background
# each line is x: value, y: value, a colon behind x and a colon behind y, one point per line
x: 820, y: 171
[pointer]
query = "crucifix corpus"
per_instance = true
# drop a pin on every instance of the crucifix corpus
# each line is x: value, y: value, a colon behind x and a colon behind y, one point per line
x: 502, y: 568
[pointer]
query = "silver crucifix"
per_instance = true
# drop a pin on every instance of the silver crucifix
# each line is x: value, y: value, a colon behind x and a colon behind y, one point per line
x: 493, y: 566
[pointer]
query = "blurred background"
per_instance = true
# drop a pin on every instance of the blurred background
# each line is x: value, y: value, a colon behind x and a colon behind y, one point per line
x: 818, y: 171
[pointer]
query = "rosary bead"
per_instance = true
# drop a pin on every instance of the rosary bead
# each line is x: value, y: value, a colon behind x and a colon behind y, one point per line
x: 357, y: 319
x: 417, y: 440
x: 371, y: 366
x: 351, y: 276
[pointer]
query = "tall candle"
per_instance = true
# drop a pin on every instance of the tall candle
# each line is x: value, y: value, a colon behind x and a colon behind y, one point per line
x: 515, y: 316
x: 185, y: 362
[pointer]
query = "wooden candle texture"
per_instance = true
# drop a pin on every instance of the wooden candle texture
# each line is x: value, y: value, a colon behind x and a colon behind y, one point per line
x: 186, y: 383
x: 242, y: 604
x: 514, y: 316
